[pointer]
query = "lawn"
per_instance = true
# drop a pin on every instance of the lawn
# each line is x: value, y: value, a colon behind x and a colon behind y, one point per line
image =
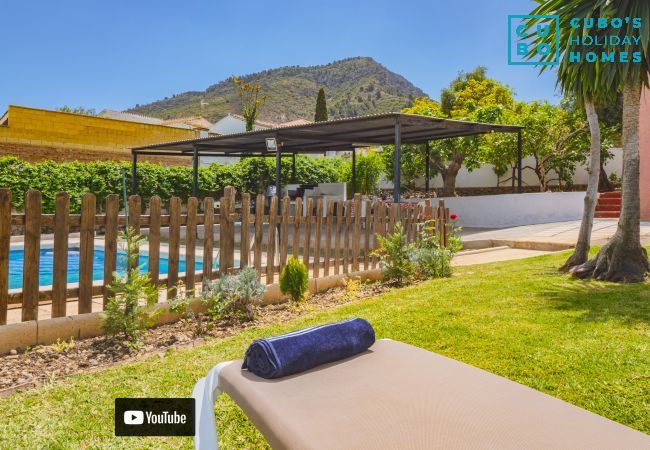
x: 585, y: 342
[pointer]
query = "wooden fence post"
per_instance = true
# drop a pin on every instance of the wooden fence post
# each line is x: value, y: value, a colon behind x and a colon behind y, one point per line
x: 346, y: 236
x: 440, y: 222
x: 317, y: 236
x: 5, y: 246
x: 356, y: 236
x: 86, y: 250
x: 307, y: 248
x: 337, y: 236
x: 32, y: 255
x: 296, y: 227
x: 270, y: 247
x: 208, y: 237
x: 259, y: 233
x: 244, y: 241
x: 60, y: 263
x: 377, y: 208
x: 284, y: 232
x: 328, y: 236
x: 154, y: 239
x: 366, y: 241
x: 174, y: 245
x: 190, y: 245
x: 226, y: 231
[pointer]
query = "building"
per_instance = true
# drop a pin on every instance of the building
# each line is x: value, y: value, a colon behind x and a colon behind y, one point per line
x: 188, y: 123
x: 234, y: 123
x: 644, y: 150
x: 35, y: 134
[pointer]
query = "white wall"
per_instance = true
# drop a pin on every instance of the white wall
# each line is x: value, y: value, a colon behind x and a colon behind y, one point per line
x: 484, y: 176
x: 509, y: 210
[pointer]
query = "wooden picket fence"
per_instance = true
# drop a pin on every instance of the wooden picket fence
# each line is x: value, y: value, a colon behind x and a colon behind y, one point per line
x: 333, y: 238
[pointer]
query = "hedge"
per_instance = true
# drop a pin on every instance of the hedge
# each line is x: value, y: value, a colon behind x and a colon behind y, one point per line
x: 104, y: 178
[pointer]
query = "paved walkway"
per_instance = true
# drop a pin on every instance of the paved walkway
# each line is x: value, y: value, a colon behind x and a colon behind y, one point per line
x: 547, y: 236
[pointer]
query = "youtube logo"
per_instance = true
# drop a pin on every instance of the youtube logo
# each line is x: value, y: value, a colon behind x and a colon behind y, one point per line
x: 133, y: 417
x: 154, y: 416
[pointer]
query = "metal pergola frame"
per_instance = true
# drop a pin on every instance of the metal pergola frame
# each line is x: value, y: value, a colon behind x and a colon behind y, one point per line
x: 334, y: 135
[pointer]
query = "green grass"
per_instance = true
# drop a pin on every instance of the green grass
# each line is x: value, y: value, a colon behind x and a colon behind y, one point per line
x: 585, y: 342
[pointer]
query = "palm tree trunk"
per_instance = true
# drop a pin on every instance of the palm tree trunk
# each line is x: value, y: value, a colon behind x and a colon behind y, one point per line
x: 581, y: 252
x: 623, y: 258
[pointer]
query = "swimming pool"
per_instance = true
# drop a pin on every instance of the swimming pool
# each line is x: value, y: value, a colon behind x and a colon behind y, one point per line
x: 17, y: 256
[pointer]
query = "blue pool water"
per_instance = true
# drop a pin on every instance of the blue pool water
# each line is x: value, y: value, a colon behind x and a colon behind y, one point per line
x: 17, y: 256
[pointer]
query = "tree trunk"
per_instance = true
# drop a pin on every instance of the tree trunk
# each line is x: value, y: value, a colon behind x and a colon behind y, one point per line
x: 623, y: 258
x: 449, y: 175
x: 581, y: 252
x: 604, y: 185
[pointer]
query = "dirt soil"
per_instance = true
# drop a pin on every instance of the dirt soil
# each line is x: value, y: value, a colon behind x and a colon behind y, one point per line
x: 50, y: 363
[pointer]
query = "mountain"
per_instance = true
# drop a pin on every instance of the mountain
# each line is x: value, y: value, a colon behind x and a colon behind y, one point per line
x: 353, y: 86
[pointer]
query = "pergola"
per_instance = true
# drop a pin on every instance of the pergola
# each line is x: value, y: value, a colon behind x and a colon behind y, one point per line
x: 347, y: 134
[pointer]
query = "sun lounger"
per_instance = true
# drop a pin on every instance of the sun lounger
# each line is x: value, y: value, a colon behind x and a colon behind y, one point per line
x: 396, y: 396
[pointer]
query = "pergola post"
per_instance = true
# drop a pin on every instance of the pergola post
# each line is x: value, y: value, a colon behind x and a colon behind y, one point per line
x: 427, y: 166
x: 195, y: 171
x: 293, y: 167
x: 134, y: 173
x: 354, y: 171
x: 397, y: 162
x: 278, y: 167
x: 519, y: 163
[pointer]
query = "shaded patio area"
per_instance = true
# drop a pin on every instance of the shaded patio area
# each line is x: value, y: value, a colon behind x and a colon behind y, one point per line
x: 348, y: 135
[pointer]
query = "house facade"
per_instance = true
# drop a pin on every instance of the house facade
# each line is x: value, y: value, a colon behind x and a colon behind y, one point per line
x: 644, y: 149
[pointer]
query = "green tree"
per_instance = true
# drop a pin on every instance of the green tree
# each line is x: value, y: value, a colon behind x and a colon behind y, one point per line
x: 78, y: 110
x: 622, y: 258
x: 370, y: 167
x: 251, y: 99
x: 470, y: 96
x: 321, y: 107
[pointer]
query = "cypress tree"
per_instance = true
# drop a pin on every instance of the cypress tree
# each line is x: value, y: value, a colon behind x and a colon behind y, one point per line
x: 321, y: 107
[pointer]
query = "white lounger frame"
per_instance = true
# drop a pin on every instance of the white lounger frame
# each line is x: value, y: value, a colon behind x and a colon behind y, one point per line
x: 205, y: 392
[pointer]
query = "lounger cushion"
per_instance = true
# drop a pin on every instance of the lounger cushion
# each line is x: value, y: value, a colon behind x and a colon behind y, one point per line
x: 396, y: 396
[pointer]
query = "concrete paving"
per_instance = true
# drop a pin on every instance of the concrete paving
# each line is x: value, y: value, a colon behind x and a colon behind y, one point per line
x: 546, y: 236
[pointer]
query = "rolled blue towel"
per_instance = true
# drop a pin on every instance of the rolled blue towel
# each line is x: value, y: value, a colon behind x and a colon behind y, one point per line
x: 300, y: 350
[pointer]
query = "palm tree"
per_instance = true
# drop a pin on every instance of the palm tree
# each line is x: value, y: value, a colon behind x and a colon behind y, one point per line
x: 579, y: 80
x: 622, y: 258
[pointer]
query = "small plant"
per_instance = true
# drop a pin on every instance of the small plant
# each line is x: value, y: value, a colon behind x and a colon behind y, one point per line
x: 190, y: 317
x: 430, y: 258
x: 394, y: 254
x: 124, y: 313
x: 233, y: 295
x: 63, y: 346
x: 352, y: 287
x: 294, y: 279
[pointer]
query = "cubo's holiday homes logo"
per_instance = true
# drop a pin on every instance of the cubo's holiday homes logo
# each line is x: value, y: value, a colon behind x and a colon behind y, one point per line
x: 524, y: 32
x: 535, y: 40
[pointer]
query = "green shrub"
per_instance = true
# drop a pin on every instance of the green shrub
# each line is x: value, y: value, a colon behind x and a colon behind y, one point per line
x: 430, y: 258
x: 370, y: 168
x: 190, y: 317
x: 103, y: 178
x: 124, y: 313
x: 294, y: 279
x: 233, y: 295
x: 394, y: 254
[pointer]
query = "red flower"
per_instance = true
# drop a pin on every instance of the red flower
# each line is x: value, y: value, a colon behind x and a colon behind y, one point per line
x: 453, y: 216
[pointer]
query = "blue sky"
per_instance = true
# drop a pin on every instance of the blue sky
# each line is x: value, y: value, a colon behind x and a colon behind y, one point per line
x: 116, y: 53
